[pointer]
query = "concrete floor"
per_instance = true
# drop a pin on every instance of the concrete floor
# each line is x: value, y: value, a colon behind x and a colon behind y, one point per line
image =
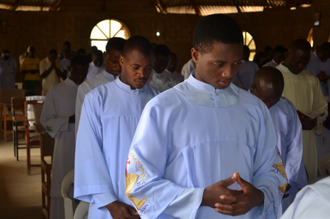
x: 20, y: 194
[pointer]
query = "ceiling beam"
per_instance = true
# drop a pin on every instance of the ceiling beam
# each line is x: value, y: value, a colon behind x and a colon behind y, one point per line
x: 237, y: 6
x: 160, y: 5
x: 56, y: 5
x: 15, y: 5
x: 196, y: 7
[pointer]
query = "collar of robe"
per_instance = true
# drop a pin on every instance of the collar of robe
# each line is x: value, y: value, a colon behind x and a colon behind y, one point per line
x: 108, y: 75
x: 283, y: 68
x: 127, y: 88
x: 206, y: 95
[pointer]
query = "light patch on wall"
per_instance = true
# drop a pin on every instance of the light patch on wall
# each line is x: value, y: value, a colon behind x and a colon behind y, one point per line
x: 157, y: 33
x: 4, y: 6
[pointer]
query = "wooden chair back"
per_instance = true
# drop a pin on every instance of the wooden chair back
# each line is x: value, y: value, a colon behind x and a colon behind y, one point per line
x: 7, y: 94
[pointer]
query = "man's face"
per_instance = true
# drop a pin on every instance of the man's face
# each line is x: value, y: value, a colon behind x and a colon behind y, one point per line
x: 98, y: 61
x: 5, y: 57
x: 219, y: 66
x: 296, y: 61
x: 279, y: 57
x: 324, y: 57
x: 52, y: 57
x: 270, y: 98
x: 78, y: 73
x: 173, y: 62
x: 111, y: 61
x: 136, y: 69
x: 160, y: 63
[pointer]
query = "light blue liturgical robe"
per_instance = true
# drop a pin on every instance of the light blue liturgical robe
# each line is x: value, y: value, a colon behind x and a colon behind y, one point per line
x: 289, y: 143
x: 108, y: 120
x: 226, y: 131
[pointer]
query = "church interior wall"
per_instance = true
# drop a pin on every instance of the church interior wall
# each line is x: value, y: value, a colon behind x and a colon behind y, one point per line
x: 74, y: 22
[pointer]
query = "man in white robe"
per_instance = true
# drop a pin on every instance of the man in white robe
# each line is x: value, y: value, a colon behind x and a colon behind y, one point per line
x: 303, y: 90
x: 58, y: 119
x: 188, y: 68
x: 112, y: 69
x: 96, y: 66
x: 319, y: 65
x: 247, y: 69
x: 279, y: 55
x: 268, y: 86
x: 8, y: 68
x: 311, y: 202
x: 160, y: 78
x: 50, y: 71
x: 108, y: 121
x: 172, y: 64
x: 171, y: 174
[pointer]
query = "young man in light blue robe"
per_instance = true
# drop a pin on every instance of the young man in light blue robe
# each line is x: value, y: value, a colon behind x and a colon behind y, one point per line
x: 268, y: 86
x: 227, y: 157
x: 114, y: 49
x: 58, y: 119
x: 109, y: 117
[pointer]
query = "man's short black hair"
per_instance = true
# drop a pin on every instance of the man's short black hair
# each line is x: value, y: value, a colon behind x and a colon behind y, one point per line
x: 81, y: 50
x: 279, y: 49
x: 302, y: 45
x: 115, y: 43
x: 216, y: 28
x: 79, y: 60
x: 97, y: 53
x: 53, y: 51
x: 139, y: 43
x: 162, y: 50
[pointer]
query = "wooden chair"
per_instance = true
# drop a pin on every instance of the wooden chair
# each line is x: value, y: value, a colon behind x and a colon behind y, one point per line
x: 32, y: 139
x: 46, y: 150
x: 5, y: 104
x: 18, y: 113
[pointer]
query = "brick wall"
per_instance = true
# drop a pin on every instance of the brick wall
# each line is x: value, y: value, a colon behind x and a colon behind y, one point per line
x: 75, y: 20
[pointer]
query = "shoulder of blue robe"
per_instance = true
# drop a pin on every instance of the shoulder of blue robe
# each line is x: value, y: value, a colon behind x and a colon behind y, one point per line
x: 311, y: 202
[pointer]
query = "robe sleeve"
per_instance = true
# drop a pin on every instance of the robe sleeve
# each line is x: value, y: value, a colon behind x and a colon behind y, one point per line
x: 53, y: 124
x: 294, y: 163
x: 79, y: 102
x: 92, y: 179
x: 150, y: 193
x: 267, y: 166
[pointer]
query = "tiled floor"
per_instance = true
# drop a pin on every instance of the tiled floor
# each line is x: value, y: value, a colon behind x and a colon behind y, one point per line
x: 20, y: 194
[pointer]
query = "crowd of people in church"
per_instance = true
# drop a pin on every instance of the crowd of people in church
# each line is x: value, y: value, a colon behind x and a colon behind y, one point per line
x: 224, y: 137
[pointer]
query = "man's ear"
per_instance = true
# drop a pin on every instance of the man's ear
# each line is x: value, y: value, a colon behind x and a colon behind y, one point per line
x: 195, y: 55
x: 121, y: 60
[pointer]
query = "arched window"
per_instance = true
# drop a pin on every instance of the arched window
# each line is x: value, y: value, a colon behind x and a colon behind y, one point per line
x: 107, y: 29
x: 249, y: 41
x: 310, y: 37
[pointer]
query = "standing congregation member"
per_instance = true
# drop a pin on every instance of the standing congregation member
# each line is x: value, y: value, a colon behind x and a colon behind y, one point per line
x: 303, y: 90
x: 226, y: 159
x: 247, y: 69
x: 58, y: 119
x: 30, y: 69
x: 319, y: 65
x: 279, y: 55
x: 114, y: 49
x: 50, y: 71
x: 160, y: 78
x: 268, y: 86
x: 108, y: 120
x: 172, y: 64
x: 96, y: 66
x: 8, y: 68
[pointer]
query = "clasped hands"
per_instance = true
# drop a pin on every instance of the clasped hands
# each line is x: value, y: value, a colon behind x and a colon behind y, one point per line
x: 232, y: 202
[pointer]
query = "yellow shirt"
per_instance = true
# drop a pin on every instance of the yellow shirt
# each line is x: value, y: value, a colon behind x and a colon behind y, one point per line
x: 29, y: 63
